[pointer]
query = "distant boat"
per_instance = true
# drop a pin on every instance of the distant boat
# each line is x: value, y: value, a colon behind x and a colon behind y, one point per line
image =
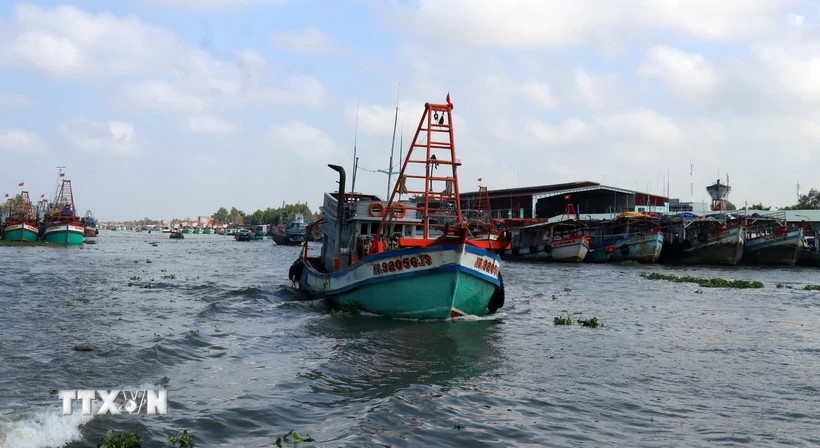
x: 636, y: 237
x: 62, y: 225
x: 564, y: 240
x: 293, y: 234
x: 769, y: 241
x: 243, y: 235
x: 21, y: 225
x: 91, y: 229
x: 177, y: 235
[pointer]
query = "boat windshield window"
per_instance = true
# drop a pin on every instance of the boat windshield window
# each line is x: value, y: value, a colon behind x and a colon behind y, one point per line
x: 364, y: 229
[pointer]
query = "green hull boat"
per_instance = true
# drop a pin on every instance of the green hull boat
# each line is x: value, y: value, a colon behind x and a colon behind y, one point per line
x: 20, y: 232
x: 68, y: 234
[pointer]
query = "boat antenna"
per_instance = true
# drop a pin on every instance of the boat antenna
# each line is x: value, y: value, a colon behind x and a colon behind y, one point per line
x: 401, y: 144
x: 393, y: 145
x: 355, y: 138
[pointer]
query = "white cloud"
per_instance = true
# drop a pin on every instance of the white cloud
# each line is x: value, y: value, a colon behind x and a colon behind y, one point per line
x: 156, y: 95
x: 68, y: 42
x: 212, y: 4
x: 590, y: 89
x: 112, y: 138
x: 299, y: 90
x: 209, y: 125
x: 538, y: 93
x: 300, y: 139
x: 536, y: 23
x: 310, y: 40
x: 688, y: 75
x: 796, y: 73
x: 796, y: 19
x: 19, y: 141
x: 14, y: 101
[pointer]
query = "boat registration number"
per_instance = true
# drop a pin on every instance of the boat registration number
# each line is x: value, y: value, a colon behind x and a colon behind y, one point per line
x: 775, y: 237
x: 401, y: 264
x: 489, y: 266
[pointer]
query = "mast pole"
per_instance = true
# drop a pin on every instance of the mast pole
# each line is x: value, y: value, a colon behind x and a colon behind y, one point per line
x: 355, y: 138
x: 393, y: 145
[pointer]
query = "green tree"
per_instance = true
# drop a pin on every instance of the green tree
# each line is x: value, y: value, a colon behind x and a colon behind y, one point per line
x: 759, y: 206
x: 221, y: 215
x: 808, y: 201
x: 730, y: 206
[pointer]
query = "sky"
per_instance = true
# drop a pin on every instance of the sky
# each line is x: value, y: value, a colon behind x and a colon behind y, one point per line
x: 174, y: 108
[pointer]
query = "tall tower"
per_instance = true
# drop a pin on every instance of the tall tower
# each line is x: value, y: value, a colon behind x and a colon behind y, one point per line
x: 720, y: 195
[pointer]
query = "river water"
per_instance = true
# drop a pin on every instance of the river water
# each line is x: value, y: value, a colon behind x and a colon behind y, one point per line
x: 244, y: 362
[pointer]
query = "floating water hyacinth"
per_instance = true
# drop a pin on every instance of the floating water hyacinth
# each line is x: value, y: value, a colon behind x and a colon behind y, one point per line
x: 705, y: 282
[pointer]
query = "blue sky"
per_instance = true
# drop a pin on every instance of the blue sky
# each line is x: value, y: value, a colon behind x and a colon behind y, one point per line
x: 173, y: 108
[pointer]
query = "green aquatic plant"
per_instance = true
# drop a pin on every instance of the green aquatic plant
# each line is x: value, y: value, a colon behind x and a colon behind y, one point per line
x: 629, y: 263
x: 114, y: 288
x: 169, y: 277
x: 85, y: 301
x: 69, y: 303
x: 562, y: 320
x: 184, y: 441
x: 458, y: 426
x: 89, y: 242
x: 292, y: 437
x: 812, y: 288
x: 593, y: 323
x: 28, y: 244
x: 567, y: 289
x: 122, y: 440
x: 704, y: 282
x: 779, y: 285
x: 134, y: 278
x: 147, y: 260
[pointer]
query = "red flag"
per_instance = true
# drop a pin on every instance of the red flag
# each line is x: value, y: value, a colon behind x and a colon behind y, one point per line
x: 448, y: 100
x: 42, y: 195
x: 62, y: 174
x: 20, y: 184
x: 480, y: 178
x: 7, y: 195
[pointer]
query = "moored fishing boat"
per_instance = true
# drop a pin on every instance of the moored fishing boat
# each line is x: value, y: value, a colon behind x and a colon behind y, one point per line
x: 62, y: 225
x: 714, y: 239
x: 769, y: 241
x: 21, y: 224
x: 564, y: 240
x: 636, y: 237
x: 404, y: 259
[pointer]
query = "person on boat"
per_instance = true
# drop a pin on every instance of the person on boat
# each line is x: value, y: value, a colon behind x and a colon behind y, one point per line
x: 66, y: 210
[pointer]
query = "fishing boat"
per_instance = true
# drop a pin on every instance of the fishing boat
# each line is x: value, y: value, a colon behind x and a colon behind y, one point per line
x: 769, y: 241
x: 177, y: 235
x: 91, y: 229
x: 712, y: 239
x: 293, y: 234
x: 564, y: 240
x: 62, y: 225
x: 208, y: 231
x: 405, y: 259
x: 636, y: 237
x: 489, y: 233
x: 243, y: 235
x: 187, y: 231
x: 21, y: 224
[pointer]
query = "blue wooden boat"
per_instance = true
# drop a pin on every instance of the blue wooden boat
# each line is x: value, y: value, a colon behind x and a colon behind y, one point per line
x: 636, y: 237
x: 293, y: 234
x: 405, y: 259
x: 769, y: 241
